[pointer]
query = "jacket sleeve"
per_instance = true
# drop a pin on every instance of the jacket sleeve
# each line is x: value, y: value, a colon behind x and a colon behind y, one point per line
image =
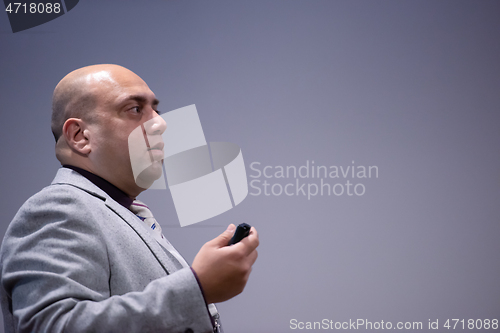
x: 56, y: 272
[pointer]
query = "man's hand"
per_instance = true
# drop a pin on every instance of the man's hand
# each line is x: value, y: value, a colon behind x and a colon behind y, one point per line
x: 223, y: 270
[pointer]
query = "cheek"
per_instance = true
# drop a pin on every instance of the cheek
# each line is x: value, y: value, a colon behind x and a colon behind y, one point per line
x: 111, y: 147
x: 111, y: 144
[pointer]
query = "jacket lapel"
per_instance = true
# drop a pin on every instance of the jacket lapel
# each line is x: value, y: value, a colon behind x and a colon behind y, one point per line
x: 70, y: 177
x: 135, y: 223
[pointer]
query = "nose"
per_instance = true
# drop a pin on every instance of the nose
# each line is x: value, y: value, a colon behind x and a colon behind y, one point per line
x: 155, y: 125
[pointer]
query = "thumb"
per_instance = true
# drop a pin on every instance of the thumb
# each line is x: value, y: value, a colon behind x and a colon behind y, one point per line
x: 225, y: 237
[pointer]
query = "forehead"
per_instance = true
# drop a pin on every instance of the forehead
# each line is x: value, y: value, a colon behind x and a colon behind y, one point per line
x: 118, y: 86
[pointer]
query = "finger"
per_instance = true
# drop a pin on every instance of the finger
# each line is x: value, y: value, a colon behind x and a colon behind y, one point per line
x: 251, y: 241
x: 254, y: 232
x: 223, y: 238
x: 252, y: 257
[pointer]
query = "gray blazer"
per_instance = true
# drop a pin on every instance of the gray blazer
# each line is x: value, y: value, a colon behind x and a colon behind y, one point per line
x: 74, y: 260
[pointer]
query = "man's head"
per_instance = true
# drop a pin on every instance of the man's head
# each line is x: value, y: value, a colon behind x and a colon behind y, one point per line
x: 94, y: 109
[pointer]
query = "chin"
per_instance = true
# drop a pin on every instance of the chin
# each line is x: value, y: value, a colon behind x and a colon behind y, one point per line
x: 147, y: 177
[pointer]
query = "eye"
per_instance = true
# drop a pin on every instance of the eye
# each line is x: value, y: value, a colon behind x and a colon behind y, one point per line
x: 136, y: 109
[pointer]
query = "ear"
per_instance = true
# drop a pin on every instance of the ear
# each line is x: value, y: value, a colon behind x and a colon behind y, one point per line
x: 77, y: 135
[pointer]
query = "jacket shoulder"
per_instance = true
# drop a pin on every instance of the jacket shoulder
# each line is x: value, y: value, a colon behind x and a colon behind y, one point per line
x: 56, y: 209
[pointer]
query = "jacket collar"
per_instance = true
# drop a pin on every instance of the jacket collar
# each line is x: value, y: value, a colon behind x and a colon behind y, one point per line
x: 70, y: 177
x: 114, y: 192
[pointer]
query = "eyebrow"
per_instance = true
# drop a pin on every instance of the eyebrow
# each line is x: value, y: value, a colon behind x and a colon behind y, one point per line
x: 143, y: 100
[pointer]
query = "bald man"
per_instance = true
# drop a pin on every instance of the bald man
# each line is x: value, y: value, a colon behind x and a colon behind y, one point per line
x: 75, y: 258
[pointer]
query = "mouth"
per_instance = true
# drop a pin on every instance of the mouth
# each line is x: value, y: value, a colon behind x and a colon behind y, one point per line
x: 156, y: 152
x: 158, y: 146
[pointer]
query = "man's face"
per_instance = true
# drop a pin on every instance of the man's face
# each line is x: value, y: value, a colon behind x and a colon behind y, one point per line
x: 125, y: 102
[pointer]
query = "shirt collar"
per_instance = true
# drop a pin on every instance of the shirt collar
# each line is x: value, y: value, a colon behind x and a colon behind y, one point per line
x: 114, y: 192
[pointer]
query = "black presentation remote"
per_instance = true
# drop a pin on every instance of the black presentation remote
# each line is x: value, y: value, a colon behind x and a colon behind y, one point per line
x: 241, y: 232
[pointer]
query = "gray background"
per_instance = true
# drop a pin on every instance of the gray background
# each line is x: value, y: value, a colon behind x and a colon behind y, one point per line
x: 410, y: 86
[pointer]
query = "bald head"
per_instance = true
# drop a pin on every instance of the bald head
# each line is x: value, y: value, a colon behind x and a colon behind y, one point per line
x: 95, y: 109
x: 77, y: 94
